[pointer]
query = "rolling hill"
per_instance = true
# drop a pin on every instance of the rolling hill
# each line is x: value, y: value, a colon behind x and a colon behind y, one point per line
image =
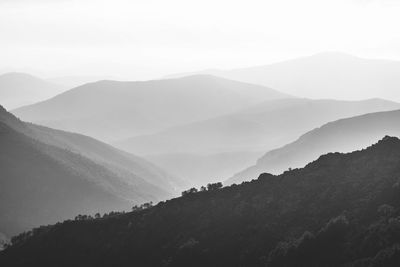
x: 217, y: 143
x: 111, y: 110
x: 20, y: 89
x: 325, y: 75
x: 340, y: 210
x: 338, y: 136
x: 49, y: 175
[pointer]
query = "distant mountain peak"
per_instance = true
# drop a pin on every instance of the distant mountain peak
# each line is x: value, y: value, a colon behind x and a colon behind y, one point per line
x: 20, y: 77
x: 18, y: 89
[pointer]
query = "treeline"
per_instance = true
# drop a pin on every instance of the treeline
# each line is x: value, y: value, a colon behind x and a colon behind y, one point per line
x: 209, y: 187
x: 22, y: 237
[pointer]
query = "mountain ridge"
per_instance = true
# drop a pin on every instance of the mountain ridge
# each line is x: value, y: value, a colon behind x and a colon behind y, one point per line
x: 342, y: 135
x: 18, y: 89
x: 143, y: 106
x: 123, y: 178
x: 245, y: 134
x: 332, y: 75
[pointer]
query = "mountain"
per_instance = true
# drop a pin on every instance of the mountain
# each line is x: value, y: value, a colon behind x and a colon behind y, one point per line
x: 340, y: 210
x: 19, y: 89
x: 223, y: 145
x: 49, y: 175
x: 324, y: 75
x: 111, y: 110
x: 265, y: 125
x: 75, y: 81
x: 339, y: 136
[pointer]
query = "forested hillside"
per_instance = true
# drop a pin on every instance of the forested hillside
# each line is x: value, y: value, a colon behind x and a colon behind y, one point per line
x: 340, y: 210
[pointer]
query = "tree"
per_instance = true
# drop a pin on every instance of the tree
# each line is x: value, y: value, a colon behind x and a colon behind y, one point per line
x: 135, y: 208
x: 214, y: 186
x: 147, y: 205
x: 189, y: 191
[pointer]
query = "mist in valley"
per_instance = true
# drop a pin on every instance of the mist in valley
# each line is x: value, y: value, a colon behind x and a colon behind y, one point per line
x: 211, y: 133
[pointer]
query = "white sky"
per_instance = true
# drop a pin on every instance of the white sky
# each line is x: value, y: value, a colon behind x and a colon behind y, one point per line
x: 150, y: 38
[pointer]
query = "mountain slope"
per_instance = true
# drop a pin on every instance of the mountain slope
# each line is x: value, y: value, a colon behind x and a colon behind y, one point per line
x: 41, y: 184
x: 249, y: 133
x: 113, y: 110
x: 341, y: 209
x: 262, y: 126
x: 19, y: 89
x: 39, y: 163
x: 339, y: 136
x: 325, y: 75
x: 104, y: 154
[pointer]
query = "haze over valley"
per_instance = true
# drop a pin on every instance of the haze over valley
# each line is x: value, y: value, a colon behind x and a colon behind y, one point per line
x: 200, y: 134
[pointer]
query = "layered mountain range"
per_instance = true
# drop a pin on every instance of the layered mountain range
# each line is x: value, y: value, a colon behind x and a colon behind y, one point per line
x: 324, y: 75
x: 215, y: 149
x: 113, y: 110
x: 49, y: 175
x: 343, y: 135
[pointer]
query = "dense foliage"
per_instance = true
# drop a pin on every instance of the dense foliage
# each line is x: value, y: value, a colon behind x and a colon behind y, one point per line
x: 341, y: 210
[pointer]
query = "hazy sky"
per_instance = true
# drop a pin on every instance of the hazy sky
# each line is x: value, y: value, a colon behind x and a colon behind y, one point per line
x: 150, y: 38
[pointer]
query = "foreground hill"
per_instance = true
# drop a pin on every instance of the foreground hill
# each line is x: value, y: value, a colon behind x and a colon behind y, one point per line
x: 111, y: 110
x: 342, y: 209
x: 344, y: 135
x: 325, y: 75
x: 49, y: 175
x: 214, y: 144
x: 19, y: 89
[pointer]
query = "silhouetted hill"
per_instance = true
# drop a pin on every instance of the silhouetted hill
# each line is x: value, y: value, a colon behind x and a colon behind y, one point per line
x: 341, y: 210
x: 324, y: 75
x: 48, y: 175
x: 246, y: 134
x: 344, y: 135
x: 19, y: 89
x: 112, y: 110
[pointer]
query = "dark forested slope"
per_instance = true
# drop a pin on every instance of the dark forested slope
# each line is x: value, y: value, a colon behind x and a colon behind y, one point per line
x: 340, y: 209
x: 43, y: 184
